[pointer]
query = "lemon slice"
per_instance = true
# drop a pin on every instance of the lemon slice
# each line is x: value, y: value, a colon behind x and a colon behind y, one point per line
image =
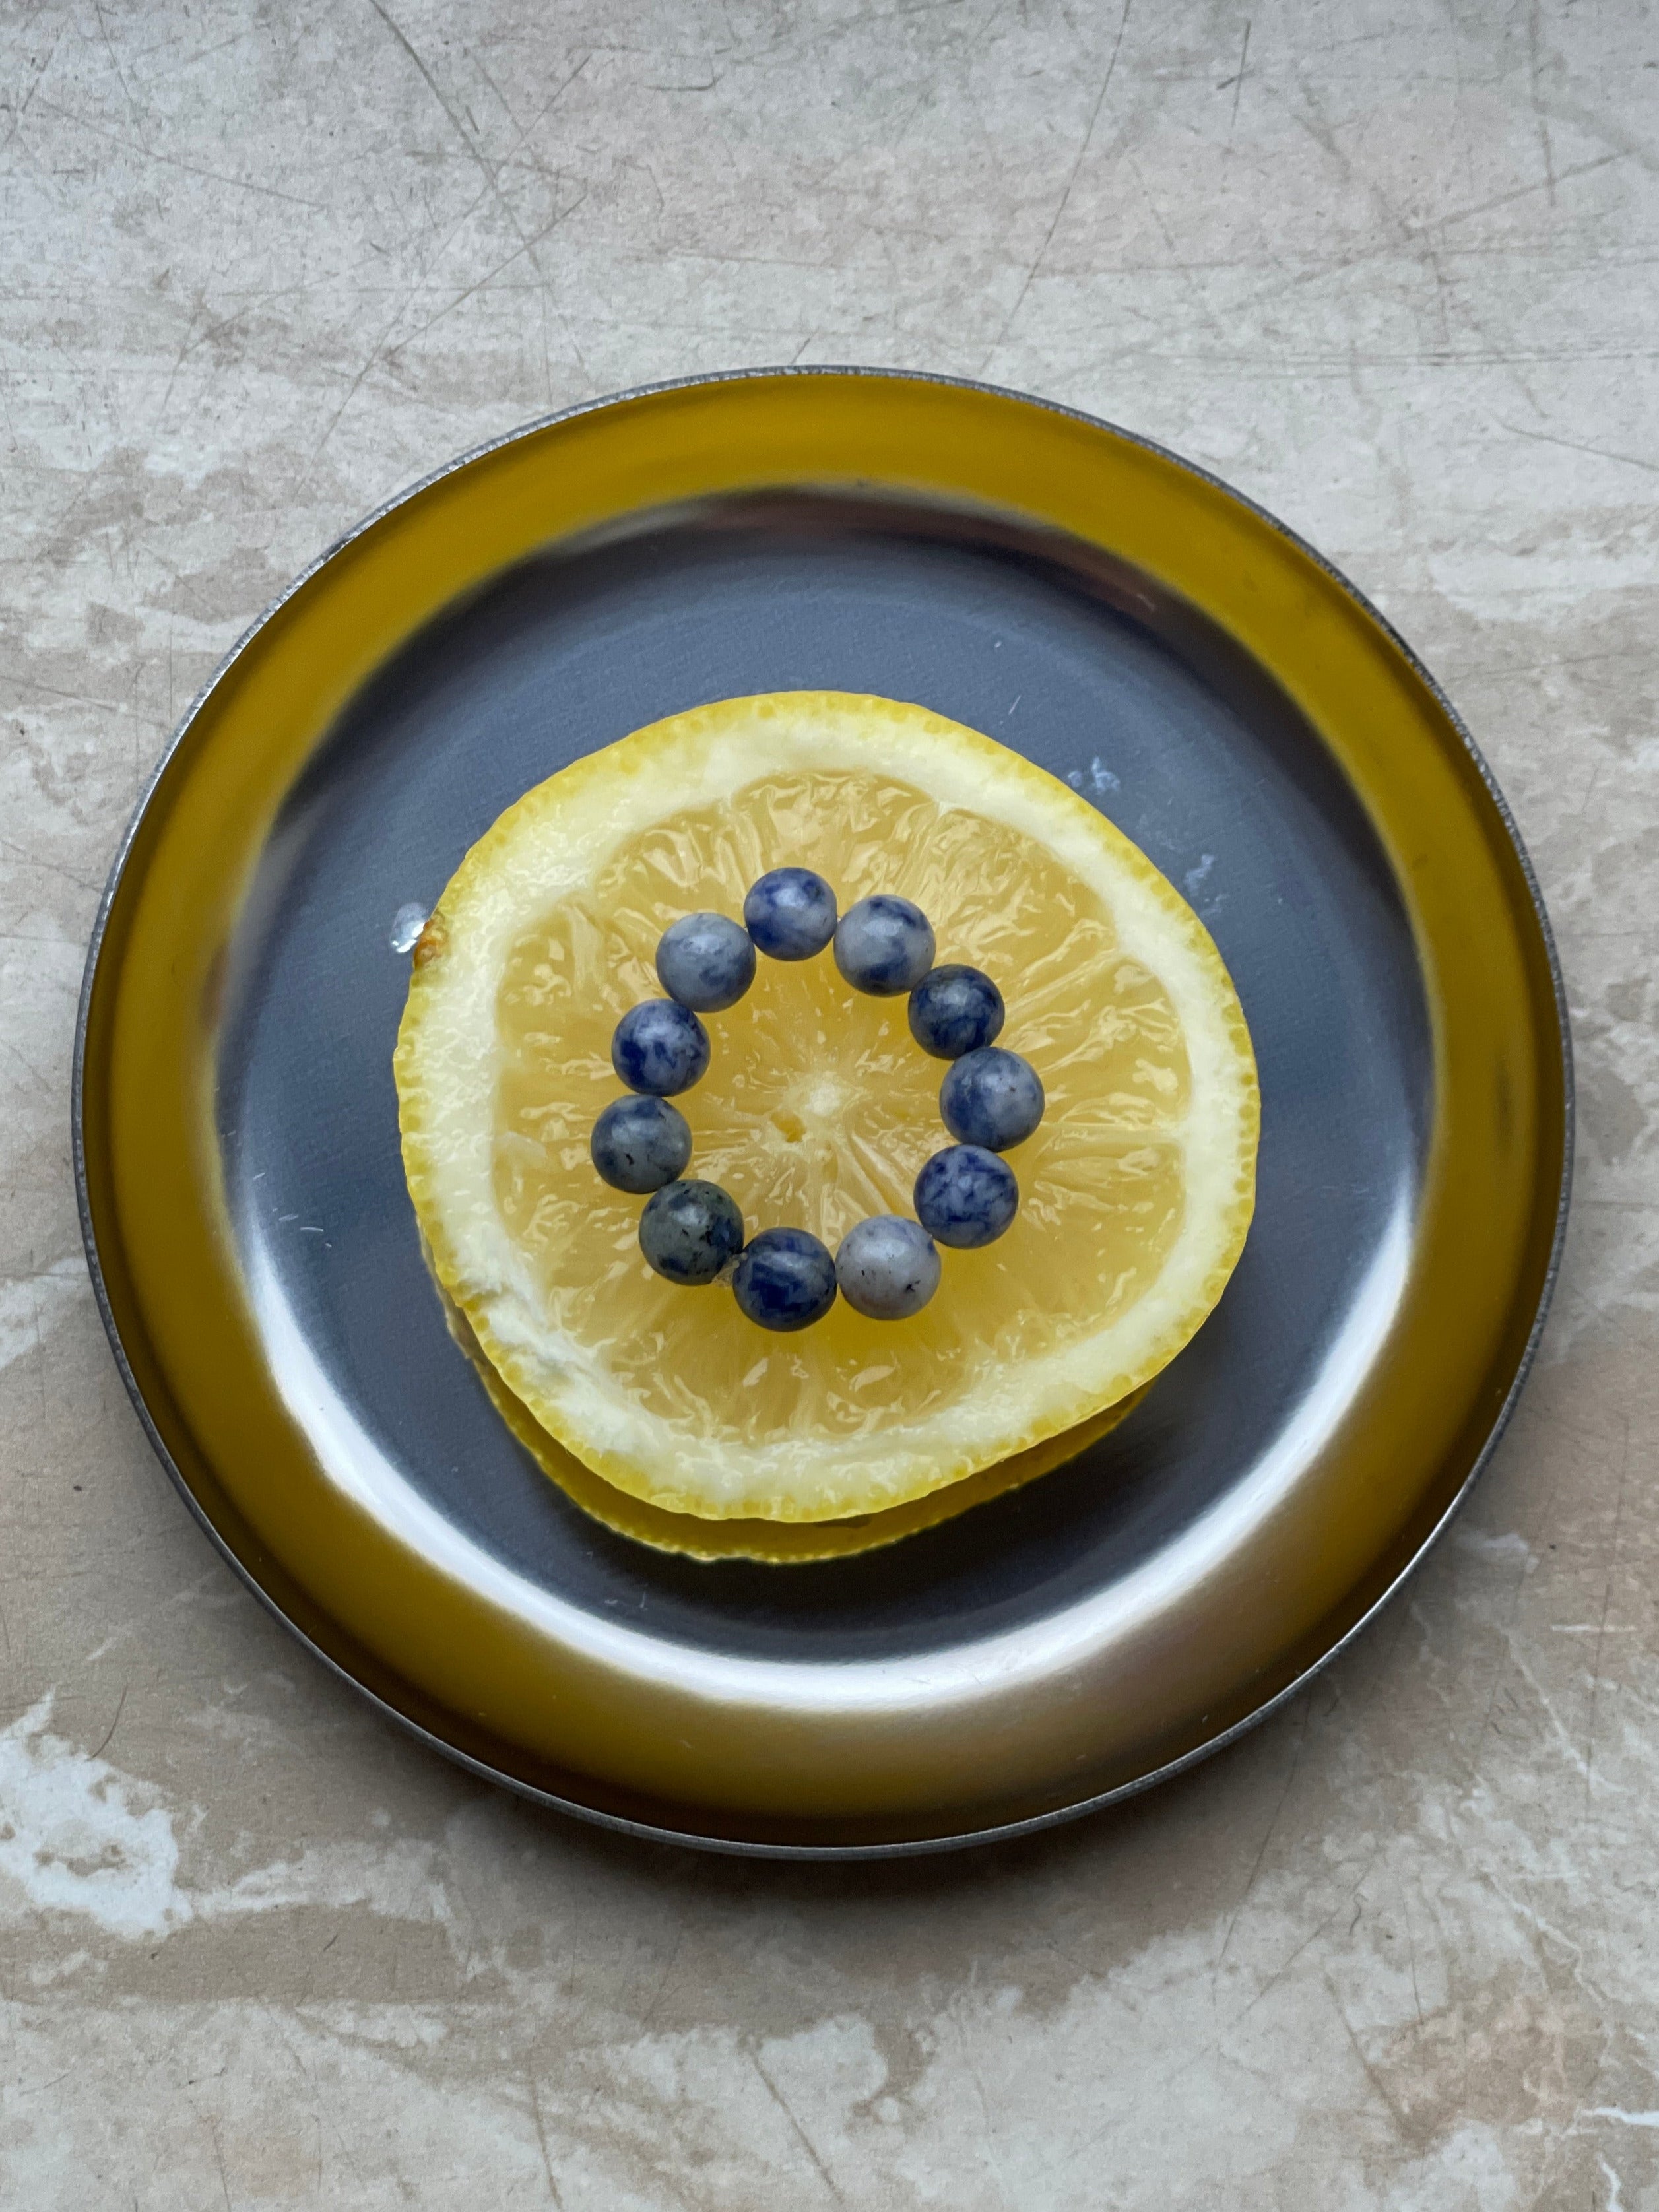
x: 771, y: 1543
x: 819, y: 1109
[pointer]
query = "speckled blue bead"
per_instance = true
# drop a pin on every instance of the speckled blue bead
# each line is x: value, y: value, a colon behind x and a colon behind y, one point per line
x: 884, y: 945
x: 887, y: 1266
x: 966, y: 1196
x: 691, y: 1230
x: 640, y: 1144
x: 660, y: 1047
x: 706, y: 961
x: 955, y: 1010
x: 785, y: 1279
x: 991, y: 1097
x: 790, y: 914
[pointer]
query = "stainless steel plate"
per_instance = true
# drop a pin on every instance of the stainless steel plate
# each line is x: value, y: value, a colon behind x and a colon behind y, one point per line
x: 244, y: 1200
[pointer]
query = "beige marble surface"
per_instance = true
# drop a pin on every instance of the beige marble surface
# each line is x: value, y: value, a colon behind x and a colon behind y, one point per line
x: 1388, y: 265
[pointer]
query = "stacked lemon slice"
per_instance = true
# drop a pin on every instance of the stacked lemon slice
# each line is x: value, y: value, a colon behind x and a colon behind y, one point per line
x: 664, y: 1411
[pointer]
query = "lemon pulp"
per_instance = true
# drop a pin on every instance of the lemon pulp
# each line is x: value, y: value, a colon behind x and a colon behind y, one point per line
x: 819, y: 1109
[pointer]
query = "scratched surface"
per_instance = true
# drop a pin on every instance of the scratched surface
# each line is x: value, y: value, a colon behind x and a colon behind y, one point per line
x: 1388, y: 265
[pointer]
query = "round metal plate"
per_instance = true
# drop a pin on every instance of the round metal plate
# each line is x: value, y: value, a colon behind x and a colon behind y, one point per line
x: 1120, y: 618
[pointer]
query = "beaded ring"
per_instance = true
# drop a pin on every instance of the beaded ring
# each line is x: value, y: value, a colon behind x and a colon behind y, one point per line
x: 691, y: 1232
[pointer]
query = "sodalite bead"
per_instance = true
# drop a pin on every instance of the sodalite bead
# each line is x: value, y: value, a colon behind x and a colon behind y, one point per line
x: 955, y: 1010
x: 660, y: 1047
x: 790, y: 914
x: 887, y: 1267
x: 991, y: 1097
x: 640, y: 1144
x: 785, y: 1279
x: 706, y: 961
x: 884, y: 945
x: 966, y: 1196
x: 691, y: 1230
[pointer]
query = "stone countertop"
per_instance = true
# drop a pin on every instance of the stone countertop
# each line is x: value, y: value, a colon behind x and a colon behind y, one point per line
x: 1388, y: 266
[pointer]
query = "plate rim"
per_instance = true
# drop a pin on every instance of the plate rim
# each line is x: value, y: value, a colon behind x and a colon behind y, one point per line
x: 687, y: 1838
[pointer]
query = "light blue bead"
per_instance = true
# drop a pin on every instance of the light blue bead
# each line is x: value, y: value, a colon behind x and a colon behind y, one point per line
x: 660, y: 1047
x: 785, y: 1279
x: 640, y: 1144
x: 991, y: 1097
x: 706, y: 961
x: 966, y: 1196
x: 884, y: 945
x: 887, y: 1267
x: 790, y: 914
x: 955, y: 1010
x: 691, y: 1230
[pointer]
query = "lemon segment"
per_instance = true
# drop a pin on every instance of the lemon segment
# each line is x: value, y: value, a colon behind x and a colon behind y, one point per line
x: 819, y: 1109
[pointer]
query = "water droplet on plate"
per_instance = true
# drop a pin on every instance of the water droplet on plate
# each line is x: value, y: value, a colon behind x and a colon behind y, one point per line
x: 406, y: 925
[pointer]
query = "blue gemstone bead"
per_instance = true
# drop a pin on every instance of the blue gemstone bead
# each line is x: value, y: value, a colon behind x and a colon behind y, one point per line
x: 884, y: 945
x: 955, y: 1010
x: 887, y: 1267
x: 966, y: 1196
x: 691, y: 1230
x: 660, y: 1047
x: 706, y: 961
x: 785, y: 1279
x: 640, y: 1144
x: 991, y: 1097
x: 790, y: 914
